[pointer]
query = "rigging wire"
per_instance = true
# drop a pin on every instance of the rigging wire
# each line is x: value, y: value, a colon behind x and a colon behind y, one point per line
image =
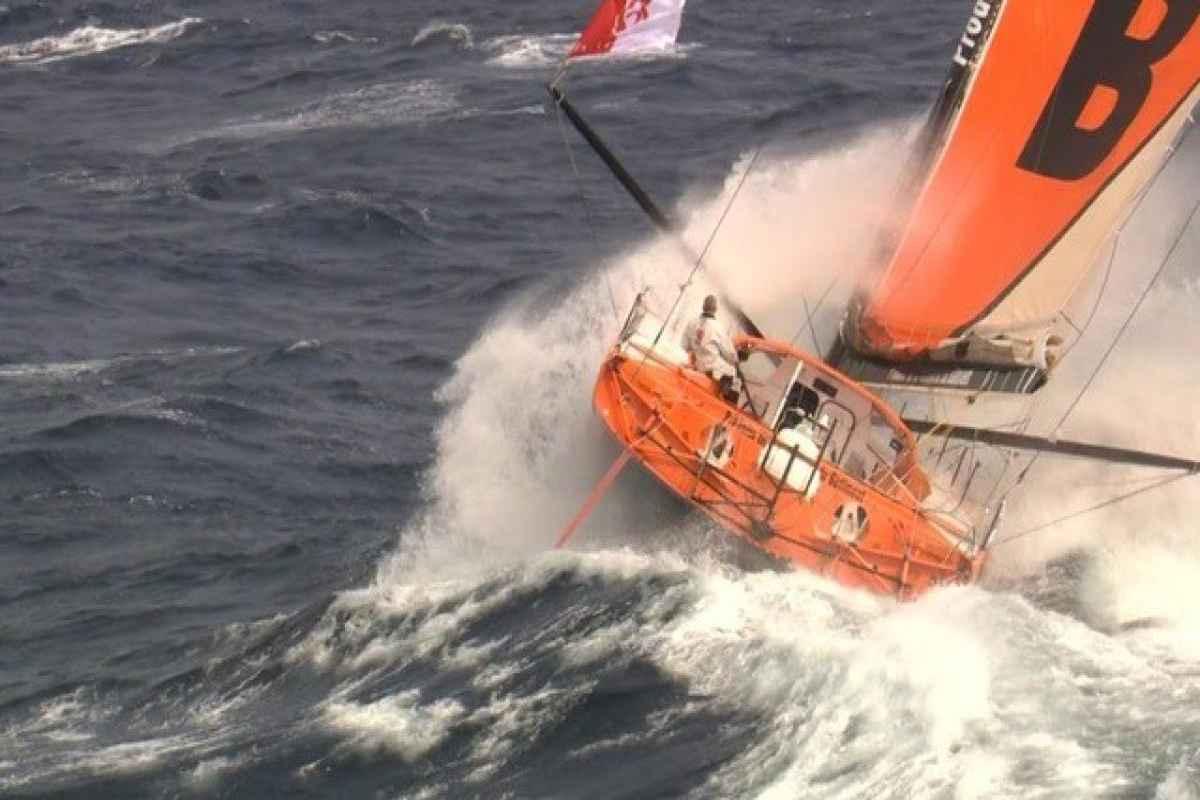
x: 699, y: 259
x: 1095, y: 373
x: 1099, y: 298
x: 811, y: 314
x: 708, y: 244
x: 812, y: 329
x: 1109, y: 502
x: 1129, y: 317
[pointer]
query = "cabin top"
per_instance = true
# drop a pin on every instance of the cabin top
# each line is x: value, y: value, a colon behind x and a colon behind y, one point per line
x: 786, y: 388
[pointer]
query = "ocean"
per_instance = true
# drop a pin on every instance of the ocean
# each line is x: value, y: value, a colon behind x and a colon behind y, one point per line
x: 300, y: 308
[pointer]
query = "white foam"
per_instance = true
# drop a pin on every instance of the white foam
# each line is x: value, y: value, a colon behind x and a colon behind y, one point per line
x: 399, y: 724
x: 90, y: 40
x: 133, y: 756
x: 207, y: 774
x: 965, y: 693
x: 329, y: 37
x: 109, y: 184
x: 303, y: 345
x: 455, y: 32
x: 69, y: 370
x: 374, y: 105
x: 1183, y: 782
x: 519, y: 447
x: 528, y: 51
x: 65, y: 370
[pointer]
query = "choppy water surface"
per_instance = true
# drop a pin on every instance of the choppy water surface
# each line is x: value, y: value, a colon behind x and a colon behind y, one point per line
x: 301, y: 310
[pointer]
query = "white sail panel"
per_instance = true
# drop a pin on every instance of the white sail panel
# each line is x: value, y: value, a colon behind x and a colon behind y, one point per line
x: 630, y: 26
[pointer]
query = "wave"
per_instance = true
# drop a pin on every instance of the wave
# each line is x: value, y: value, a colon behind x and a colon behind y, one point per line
x: 71, y: 370
x: 35, y: 469
x: 520, y: 51
x: 63, y: 370
x: 795, y: 681
x: 376, y: 105
x: 218, y: 185
x: 592, y: 661
x: 90, y: 40
x: 454, y: 33
x: 351, y: 215
x: 134, y: 417
x: 529, y: 51
x: 332, y: 37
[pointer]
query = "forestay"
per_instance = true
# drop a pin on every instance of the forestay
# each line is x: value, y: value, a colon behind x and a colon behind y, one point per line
x: 630, y: 26
x: 1056, y: 116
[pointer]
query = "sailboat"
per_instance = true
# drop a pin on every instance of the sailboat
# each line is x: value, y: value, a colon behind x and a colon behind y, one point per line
x: 1056, y: 117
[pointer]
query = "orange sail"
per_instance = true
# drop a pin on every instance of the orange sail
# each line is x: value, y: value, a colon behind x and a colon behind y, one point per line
x: 1057, y: 116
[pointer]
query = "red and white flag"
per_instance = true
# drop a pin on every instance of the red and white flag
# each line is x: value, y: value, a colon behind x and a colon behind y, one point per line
x: 629, y: 26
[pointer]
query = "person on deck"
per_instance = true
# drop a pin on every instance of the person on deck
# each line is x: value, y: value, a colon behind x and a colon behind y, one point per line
x: 712, y: 351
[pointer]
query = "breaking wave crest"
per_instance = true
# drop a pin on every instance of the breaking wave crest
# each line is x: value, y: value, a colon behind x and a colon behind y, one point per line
x: 90, y: 40
x: 529, y: 51
x: 598, y: 660
x: 799, y: 685
x: 454, y: 33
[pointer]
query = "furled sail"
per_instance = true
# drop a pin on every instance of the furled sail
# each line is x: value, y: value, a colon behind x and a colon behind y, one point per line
x: 1057, y: 115
x: 630, y: 26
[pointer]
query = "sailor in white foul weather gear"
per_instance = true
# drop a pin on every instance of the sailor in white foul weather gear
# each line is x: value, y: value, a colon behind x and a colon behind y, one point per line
x: 712, y: 351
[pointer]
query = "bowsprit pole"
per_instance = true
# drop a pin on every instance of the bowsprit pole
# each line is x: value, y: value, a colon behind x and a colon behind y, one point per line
x: 644, y: 201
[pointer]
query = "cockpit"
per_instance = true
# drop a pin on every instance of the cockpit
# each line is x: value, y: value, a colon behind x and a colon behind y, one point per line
x: 787, y: 393
x: 803, y: 400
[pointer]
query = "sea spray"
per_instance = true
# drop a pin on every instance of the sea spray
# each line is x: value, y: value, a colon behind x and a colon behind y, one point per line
x: 519, y: 447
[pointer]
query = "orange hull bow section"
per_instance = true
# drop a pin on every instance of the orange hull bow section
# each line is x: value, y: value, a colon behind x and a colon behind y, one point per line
x: 666, y: 415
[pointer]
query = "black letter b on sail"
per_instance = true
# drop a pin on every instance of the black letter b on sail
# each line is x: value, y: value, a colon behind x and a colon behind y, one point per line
x: 1104, y: 56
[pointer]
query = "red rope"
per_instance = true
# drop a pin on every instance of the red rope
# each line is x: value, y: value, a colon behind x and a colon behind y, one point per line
x: 601, y: 488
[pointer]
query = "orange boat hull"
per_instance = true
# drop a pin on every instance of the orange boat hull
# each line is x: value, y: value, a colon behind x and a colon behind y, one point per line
x: 665, y: 415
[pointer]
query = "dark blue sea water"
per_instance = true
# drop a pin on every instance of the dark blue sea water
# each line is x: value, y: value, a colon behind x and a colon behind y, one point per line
x: 300, y: 307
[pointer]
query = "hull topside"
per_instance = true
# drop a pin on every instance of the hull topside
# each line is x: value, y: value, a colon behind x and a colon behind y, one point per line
x: 727, y: 463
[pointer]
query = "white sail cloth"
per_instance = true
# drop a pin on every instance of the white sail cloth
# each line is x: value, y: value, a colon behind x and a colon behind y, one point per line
x: 630, y: 26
